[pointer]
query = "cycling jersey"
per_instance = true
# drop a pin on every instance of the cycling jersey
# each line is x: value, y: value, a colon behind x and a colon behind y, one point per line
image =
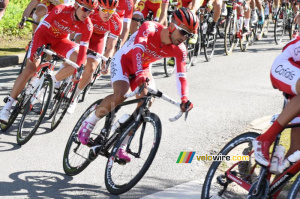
x: 183, y: 3
x: 57, y: 2
x: 125, y: 9
x: 144, y: 6
x: 143, y: 48
x: 49, y: 4
x: 57, y: 25
x: 113, y: 26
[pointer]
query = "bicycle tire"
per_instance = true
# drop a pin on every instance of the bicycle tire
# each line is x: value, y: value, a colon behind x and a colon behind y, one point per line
x: 294, y: 189
x: 244, y: 42
x: 190, y: 59
x: 23, y: 63
x: 110, y: 181
x: 279, y: 27
x: 63, y: 105
x: 169, y: 70
x: 198, y: 45
x: 230, y: 36
x: 209, y: 49
x: 13, y: 116
x: 21, y: 137
x: 68, y: 165
x: 245, y: 138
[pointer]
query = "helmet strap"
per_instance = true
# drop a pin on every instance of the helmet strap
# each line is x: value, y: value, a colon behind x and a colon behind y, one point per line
x: 171, y: 30
x: 76, y: 17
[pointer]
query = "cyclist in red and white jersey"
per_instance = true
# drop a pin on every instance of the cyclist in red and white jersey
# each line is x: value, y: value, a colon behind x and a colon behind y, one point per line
x: 285, y: 76
x: 42, y: 8
x: 142, y: 9
x: 131, y: 65
x: 105, y: 21
x: 125, y: 10
x: 54, y: 30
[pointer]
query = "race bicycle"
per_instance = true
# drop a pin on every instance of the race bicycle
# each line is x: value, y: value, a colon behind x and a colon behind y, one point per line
x: 245, y: 178
x: 144, y: 129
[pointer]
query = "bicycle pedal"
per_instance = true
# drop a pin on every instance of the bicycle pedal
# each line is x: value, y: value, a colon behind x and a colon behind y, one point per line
x: 222, y: 180
x: 120, y: 161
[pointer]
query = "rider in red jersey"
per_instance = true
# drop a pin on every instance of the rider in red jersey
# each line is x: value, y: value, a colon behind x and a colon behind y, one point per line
x: 285, y: 76
x: 125, y: 10
x: 107, y: 28
x: 131, y: 65
x: 54, y: 30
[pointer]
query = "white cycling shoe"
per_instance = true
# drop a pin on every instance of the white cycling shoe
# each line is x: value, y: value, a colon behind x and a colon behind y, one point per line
x: 261, y: 152
x: 72, y: 107
x: 4, y: 116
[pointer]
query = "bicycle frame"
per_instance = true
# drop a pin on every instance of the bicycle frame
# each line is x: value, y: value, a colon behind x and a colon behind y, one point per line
x: 277, y: 184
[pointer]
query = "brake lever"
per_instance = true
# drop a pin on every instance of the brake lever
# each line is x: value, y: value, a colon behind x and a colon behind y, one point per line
x: 186, y: 110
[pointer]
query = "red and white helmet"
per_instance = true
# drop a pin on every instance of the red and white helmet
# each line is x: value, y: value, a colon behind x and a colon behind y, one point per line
x: 187, y: 18
x: 109, y: 4
x: 92, y: 4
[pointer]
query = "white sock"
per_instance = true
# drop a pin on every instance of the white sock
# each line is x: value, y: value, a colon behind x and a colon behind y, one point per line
x: 93, y: 119
x: 246, y: 23
x: 78, y: 91
x: 9, y: 103
x: 125, y: 141
x: 54, y: 79
x: 61, y: 67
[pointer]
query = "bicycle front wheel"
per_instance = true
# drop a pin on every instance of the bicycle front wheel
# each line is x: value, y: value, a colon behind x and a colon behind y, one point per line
x: 230, y: 34
x: 77, y: 156
x: 209, y: 48
x: 121, y: 177
x: 217, y: 185
x: 35, y: 111
x: 293, y: 193
x: 62, y: 105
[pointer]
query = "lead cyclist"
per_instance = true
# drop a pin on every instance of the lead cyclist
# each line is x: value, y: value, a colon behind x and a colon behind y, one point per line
x: 131, y: 65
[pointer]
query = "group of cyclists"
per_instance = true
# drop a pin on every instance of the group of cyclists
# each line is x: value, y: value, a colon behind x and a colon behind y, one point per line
x: 71, y: 27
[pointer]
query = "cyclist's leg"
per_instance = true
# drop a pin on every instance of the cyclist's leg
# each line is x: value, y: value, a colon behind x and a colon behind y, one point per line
x: 261, y: 15
x: 69, y: 50
x: 40, y: 12
x: 247, y: 16
x: 289, y: 85
x: 120, y: 82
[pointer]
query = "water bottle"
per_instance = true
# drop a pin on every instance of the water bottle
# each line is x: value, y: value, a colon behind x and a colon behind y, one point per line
x: 289, y: 161
x: 32, y: 85
x: 119, y: 122
x: 277, y: 159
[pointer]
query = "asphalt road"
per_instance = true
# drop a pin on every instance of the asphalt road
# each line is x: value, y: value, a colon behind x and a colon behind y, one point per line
x: 228, y: 93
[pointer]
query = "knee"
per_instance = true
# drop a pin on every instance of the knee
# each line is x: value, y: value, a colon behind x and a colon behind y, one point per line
x: 118, y: 97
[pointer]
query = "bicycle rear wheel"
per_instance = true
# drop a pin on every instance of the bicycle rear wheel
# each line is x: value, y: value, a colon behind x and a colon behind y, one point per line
x: 230, y: 35
x: 169, y: 70
x: 280, y: 26
x: 148, y: 137
x: 61, y: 107
x: 217, y: 185
x: 34, y: 112
x: 244, y: 42
x: 77, y: 156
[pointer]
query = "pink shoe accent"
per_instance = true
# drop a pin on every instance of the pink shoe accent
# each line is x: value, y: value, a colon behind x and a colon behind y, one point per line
x: 85, y: 131
x: 123, y: 155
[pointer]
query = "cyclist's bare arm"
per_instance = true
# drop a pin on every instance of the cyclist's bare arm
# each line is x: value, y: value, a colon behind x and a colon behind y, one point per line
x: 163, y: 15
x: 28, y: 10
x: 110, y: 49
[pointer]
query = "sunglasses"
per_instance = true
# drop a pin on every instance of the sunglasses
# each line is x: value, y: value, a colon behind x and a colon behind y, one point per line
x: 84, y: 9
x: 109, y: 11
x: 183, y: 32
